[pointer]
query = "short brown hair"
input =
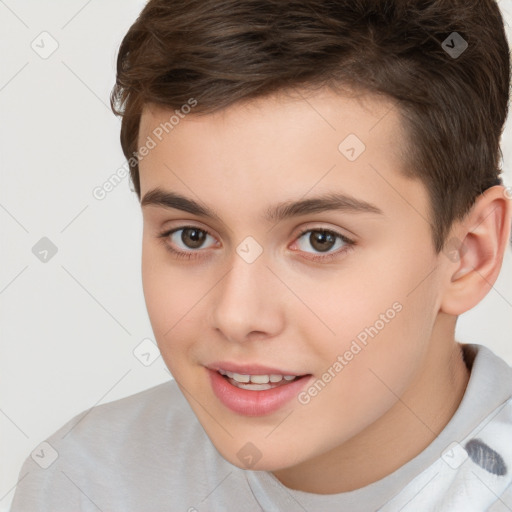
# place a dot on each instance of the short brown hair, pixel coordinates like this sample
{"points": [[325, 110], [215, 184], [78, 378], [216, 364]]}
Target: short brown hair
{"points": [[222, 51]]}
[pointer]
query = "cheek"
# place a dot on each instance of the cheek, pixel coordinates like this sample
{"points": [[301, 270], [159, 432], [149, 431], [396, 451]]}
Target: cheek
{"points": [[343, 304], [367, 366], [154, 284], [165, 293], [174, 297], [379, 317]]}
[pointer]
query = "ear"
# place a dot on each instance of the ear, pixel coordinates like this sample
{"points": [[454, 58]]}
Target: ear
{"points": [[475, 251]]}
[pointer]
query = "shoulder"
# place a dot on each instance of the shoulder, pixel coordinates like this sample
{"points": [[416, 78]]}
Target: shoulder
{"points": [[491, 375], [158, 401], [483, 461], [151, 429], [122, 455], [158, 412]]}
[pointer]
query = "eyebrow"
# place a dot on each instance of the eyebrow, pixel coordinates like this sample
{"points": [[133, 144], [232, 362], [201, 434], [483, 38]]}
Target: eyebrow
{"points": [[275, 213]]}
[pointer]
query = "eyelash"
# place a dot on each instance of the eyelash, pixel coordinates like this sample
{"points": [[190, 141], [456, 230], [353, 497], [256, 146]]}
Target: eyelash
{"points": [[188, 255]]}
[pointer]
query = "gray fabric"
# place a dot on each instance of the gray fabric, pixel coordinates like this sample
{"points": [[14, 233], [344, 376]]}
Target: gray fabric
{"points": [[148, 452]]}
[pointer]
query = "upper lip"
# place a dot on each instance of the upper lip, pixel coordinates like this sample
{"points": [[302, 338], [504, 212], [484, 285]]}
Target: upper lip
{"points": [[249, 369]]}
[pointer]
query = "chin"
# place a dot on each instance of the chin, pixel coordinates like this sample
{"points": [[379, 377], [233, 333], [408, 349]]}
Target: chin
{"points": [[251, 458]]}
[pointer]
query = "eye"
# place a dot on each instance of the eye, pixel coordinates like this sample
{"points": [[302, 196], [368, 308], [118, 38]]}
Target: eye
{"points": [[191, 238], [324, 240]]}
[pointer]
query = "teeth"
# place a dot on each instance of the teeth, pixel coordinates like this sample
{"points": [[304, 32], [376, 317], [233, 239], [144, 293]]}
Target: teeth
{"points": [[243, 378], [259, 379], [253, 387], [256, 379]]}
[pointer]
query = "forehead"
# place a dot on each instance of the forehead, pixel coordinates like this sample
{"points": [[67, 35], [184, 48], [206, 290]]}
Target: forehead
{"points": [[279, 127], [322, 109], [281, 147]]}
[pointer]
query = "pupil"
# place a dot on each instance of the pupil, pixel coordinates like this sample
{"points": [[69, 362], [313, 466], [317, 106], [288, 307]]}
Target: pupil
{"points": [[322, 240]]}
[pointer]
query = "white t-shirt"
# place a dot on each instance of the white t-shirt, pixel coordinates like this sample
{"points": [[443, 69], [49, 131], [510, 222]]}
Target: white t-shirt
{"points": [[148, 453]]}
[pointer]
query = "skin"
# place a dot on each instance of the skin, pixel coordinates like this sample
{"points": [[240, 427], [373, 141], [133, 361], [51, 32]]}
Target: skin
{"points": [[287, 311]]}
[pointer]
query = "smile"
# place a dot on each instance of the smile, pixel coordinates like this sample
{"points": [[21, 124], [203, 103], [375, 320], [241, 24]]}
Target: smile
{"points": [[255, 394], [257, 382]]}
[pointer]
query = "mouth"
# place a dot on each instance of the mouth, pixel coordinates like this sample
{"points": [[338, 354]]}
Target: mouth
{"points": [[255, 394], [258, 382]]}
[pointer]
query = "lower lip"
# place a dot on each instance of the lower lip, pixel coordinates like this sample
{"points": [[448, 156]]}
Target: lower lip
{"points": [[255, 403]]}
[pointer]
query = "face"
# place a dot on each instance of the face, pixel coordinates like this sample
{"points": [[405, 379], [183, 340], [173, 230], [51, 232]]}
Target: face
{"points": [[335, 292]]}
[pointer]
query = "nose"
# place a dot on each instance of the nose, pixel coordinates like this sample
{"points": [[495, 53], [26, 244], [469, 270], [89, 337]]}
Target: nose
{"points": [[248, 302]]}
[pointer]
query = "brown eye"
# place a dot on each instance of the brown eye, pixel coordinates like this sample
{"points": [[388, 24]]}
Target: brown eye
{"points": [[193, 238], [185, 240], [322, 240]]}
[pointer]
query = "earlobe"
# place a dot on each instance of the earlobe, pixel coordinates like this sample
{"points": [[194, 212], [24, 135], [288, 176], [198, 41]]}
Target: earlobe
{"points": [[477, 251]]}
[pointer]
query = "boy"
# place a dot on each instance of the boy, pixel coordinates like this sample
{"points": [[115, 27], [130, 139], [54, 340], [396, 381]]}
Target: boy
{"points": [[320, 189]]}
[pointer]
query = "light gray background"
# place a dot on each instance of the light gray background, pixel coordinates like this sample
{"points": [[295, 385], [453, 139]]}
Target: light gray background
{"points": [[70, 326]]}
